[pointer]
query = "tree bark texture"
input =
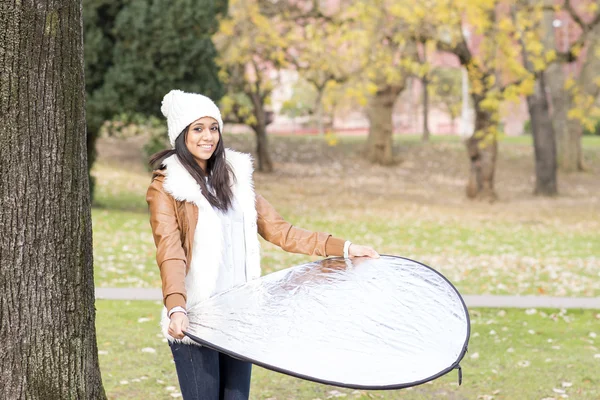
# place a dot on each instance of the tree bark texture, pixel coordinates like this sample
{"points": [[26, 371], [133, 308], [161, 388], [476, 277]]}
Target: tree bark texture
{"points": [[262, 149], [587, 77], [381, 127], [482, 149], [568, 140], [260, 129], [320, 122], [426, 133], [47, 315], [544, 140]]}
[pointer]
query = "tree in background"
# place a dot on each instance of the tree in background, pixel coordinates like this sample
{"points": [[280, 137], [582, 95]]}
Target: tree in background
{"points": [[47, 314], [391, 59], [585, 111], [535, 31], [137, 51], [534, 58], [358, 45], [425, 76], [573, 95], [322, 49], [251, 53], [493, 68]]}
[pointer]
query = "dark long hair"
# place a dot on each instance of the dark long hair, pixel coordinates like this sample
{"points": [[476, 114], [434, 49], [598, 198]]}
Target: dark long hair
{"points": [[218, 171]]}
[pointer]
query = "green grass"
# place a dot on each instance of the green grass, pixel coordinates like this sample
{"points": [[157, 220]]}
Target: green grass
{"points": [[513, 354], [490, 257]]}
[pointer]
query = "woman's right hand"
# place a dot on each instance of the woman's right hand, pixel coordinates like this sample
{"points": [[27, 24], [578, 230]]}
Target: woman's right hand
{"points": [[179, 323]]}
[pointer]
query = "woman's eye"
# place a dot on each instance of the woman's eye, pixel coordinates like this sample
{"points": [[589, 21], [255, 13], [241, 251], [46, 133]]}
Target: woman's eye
{"points": [[214, 128]]}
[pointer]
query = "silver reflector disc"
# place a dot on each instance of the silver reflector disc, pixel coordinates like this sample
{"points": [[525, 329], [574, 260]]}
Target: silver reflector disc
{"points": [[384, 323]]}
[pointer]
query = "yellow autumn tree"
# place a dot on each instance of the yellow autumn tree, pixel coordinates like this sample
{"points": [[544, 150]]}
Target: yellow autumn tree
{"points": [[573, 92], [481, 35], [389, 60], [251, 53], [501, 45], [324, 52], [534, 28]]}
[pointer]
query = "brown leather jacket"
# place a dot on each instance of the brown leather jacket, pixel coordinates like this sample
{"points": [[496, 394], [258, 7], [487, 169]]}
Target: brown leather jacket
{"points": [[173, 225]]}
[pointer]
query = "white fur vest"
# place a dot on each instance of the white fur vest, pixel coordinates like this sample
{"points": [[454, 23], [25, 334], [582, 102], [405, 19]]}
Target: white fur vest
{"points": [[207, 247]]}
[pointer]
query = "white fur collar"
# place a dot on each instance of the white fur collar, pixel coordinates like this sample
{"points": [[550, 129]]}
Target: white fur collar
{"points": [[183, 187]]}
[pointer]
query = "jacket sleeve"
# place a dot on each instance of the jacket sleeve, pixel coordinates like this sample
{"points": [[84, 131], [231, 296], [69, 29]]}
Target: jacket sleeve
{"points": [[273, 228], [170, 255]]}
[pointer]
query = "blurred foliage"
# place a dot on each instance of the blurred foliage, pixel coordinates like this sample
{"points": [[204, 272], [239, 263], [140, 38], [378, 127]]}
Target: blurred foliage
{"points": [[594, 131], [251, 51], [251, 55], [446, 89], [128, 125], [341, 55], [98, 23], [157, 141], [159, 46], [138, 50], [302, 101]]}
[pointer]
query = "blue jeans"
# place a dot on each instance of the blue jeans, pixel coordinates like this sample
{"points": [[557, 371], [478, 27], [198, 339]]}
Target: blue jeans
{"points": [[206, 374]]}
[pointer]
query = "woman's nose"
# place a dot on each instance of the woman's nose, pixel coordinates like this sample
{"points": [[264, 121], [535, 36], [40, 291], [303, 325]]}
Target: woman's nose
{"points": [[206, 134]]}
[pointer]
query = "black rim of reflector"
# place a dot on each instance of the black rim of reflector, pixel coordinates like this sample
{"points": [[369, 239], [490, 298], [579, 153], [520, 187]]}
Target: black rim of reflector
{"points": [[346, 385]]}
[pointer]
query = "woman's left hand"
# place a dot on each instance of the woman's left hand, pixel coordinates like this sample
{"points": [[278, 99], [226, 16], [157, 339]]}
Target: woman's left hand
{"points": [[356, 250]]}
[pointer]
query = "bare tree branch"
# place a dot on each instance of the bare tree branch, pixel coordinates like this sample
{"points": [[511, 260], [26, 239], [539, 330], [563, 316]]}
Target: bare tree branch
{"points": [[585, 27], [569, 56]]}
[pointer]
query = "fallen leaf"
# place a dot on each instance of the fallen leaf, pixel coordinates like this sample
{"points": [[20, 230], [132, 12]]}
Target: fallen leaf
{"points": [[148, 350]]}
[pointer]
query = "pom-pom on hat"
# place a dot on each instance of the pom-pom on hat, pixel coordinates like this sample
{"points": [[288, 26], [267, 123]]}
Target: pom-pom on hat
{"points": [[181, 109]]}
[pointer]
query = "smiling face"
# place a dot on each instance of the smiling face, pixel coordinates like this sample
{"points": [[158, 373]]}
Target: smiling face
{"points": [[202, 138]]}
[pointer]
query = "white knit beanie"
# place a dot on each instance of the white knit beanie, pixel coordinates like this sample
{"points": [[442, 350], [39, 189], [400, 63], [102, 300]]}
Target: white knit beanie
{"points": [[181, 109]]}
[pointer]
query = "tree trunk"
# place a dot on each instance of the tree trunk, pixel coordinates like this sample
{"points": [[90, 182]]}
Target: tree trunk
{"points": [[576, 133], [320, 125], [381, 127], [262, 149], [260, 128], [47, 315], [588, 87], [426, 134], [482, 149], [544, 140], [567, 141]]}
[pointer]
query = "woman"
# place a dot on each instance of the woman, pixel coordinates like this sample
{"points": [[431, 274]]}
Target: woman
{"points": [[205, 218]]}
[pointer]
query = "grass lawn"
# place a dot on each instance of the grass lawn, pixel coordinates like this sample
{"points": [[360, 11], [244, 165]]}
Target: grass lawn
{"points": [[520, 244], [513, 354]]}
